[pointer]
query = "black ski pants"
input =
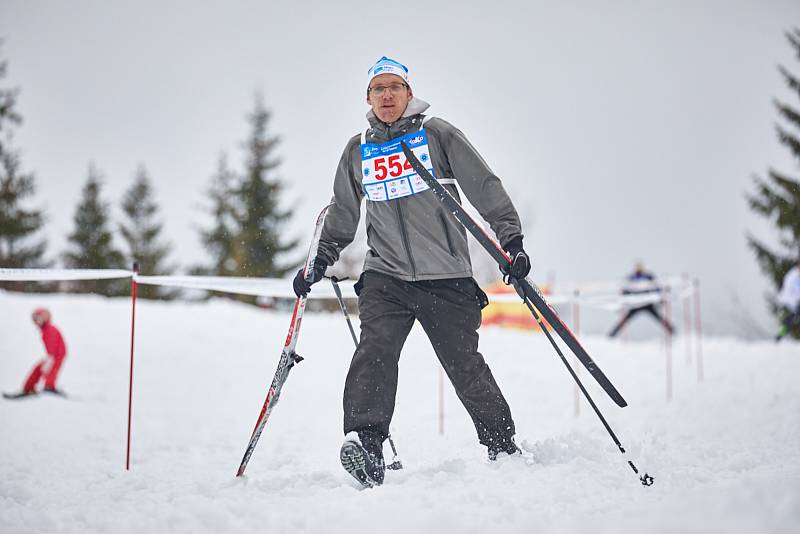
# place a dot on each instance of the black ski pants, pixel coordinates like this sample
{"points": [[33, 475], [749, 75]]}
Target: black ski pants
{"points": [[450, 313], [649, 308]]}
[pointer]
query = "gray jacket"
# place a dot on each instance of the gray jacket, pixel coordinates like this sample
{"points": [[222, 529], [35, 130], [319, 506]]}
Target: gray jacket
{"points": [[414, 238]]}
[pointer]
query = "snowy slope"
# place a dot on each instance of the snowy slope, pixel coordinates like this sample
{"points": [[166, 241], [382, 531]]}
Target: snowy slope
{"points": [[724, 453]]}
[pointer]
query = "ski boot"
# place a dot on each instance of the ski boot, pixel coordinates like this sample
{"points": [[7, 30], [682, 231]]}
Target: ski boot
{"points": [[362, 457]]}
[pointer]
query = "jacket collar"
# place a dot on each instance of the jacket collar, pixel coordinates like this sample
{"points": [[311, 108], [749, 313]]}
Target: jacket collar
{"points": [[402, 125]]}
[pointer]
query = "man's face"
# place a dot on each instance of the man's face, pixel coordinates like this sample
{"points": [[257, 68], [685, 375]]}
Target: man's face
{"points": [[388, 95]]}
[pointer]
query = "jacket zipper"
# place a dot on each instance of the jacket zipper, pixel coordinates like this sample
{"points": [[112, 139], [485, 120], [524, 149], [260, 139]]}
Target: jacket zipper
{"points": [[405, 239]]}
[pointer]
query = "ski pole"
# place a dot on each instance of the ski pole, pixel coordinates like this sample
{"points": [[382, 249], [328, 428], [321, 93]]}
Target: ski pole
{"points": [[491, 246], [396, 463], [645, 479], [335, 283]]}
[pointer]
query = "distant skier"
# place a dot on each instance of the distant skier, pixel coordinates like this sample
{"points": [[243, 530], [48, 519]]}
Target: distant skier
{"points": [[417, 267], [789, 300], [49, 367], [641, 282]]}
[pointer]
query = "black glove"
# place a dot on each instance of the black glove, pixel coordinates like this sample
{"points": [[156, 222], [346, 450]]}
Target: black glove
{"points": [[302, 286], [520, 264]]}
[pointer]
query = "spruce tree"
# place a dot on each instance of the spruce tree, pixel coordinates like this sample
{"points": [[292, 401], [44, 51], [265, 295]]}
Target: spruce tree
{"points": [[19, 223], [92, 241], [142, 233], [778, 197], [220, 238], [260, 248], [9, 116]]}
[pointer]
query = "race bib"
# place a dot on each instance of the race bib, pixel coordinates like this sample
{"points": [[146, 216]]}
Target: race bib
{"points": [[386, 174]]}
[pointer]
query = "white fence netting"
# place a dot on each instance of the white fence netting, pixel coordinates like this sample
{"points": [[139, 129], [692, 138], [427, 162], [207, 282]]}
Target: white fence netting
{"points": [[602, 295]]}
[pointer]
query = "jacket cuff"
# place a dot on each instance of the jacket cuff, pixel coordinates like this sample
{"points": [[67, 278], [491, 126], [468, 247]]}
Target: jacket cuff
{"points": [[514, 244]]}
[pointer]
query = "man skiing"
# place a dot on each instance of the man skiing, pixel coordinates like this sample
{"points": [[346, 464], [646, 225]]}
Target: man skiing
{"points": [[417, 266], [49, 367], [789, 300], [640, 282]]}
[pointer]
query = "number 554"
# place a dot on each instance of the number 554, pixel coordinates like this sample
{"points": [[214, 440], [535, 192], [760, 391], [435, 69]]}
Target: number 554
{"points": [[390, 167]]}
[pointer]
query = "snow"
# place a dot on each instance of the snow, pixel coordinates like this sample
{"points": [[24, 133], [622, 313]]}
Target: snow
{"points": [[724, 453]]}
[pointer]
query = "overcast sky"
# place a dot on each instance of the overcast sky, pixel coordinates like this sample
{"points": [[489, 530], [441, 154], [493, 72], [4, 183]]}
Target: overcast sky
{"points": [[621, 129]]}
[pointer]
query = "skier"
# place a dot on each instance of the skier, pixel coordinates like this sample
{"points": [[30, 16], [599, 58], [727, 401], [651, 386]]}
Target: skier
{"points": [[641, 282], [789, 300], [417, 266], [49, 367]]}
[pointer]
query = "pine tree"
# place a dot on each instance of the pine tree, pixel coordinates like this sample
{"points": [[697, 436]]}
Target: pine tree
{"points": [[246, 238], [220, 238], [778, 197], [92, 241], [141, 234], [9, 116], [18, 224], [19, 247], [259, 246]]}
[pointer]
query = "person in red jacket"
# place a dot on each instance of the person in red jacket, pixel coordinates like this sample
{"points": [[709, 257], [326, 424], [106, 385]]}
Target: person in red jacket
{"points": [[49, 367]]}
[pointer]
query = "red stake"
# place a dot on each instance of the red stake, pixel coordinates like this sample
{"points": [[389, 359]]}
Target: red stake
{"points": [[130, 373]]}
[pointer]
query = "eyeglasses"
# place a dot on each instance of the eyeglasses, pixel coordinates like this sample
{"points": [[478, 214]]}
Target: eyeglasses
{"points": [[395, 89]]}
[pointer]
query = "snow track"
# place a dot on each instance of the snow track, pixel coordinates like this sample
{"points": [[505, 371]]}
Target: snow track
{"points": [[724, 453]]}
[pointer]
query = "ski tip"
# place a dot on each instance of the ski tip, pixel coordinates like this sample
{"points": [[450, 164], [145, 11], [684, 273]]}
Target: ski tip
{"points": [[609, 388], [20, 395], [242, 467]]}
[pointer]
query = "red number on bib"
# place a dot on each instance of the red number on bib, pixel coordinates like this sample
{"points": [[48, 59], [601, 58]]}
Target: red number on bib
{"points": [[380, 168], [395, 167]]}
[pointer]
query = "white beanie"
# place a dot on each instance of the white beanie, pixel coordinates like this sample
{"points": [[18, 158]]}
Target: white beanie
{"points": [[387, 66]]}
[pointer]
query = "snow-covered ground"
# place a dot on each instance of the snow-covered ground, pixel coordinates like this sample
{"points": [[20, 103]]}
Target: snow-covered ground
{"points": [[725, 453]]}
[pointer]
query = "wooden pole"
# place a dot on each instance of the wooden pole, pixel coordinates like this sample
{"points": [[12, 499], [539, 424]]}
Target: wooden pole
{"points": [[687, 320], [698, 330], [668, 343]]}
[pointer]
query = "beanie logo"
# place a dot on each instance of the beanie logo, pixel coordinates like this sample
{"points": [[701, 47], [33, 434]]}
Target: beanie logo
{"points": [[387, 66]]}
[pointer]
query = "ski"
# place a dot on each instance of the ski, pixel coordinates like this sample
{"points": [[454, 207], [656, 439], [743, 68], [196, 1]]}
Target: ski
{"points": [[19, 395], [526, 286], [289, 358]]}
